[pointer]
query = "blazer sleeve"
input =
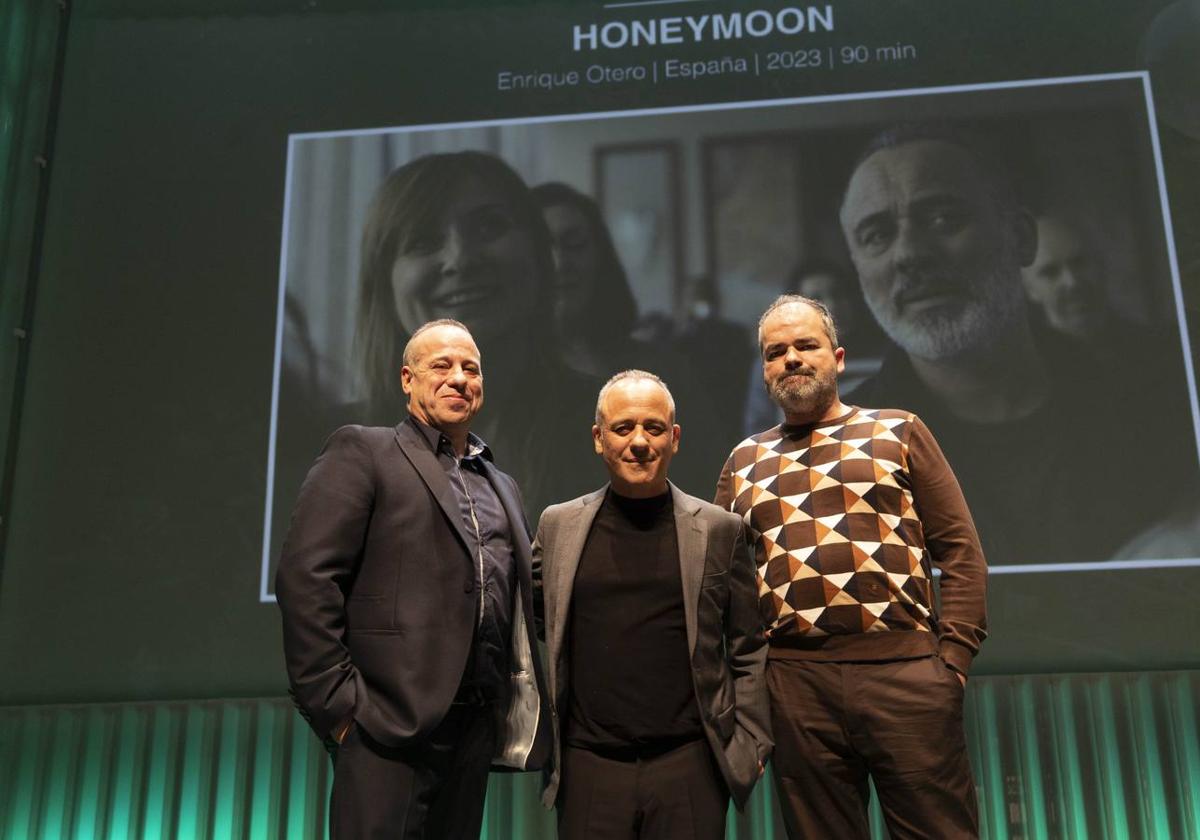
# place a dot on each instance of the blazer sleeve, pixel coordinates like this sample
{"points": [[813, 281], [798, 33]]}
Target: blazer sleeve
{"points": [[539, 591], [320, 557], [747, 645]]}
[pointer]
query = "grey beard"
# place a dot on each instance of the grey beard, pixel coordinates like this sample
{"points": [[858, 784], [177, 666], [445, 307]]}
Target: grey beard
{"points": [[939, 335]]}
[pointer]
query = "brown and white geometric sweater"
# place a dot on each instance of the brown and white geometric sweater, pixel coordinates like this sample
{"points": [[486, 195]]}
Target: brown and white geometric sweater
{"points": [[848, 518]]}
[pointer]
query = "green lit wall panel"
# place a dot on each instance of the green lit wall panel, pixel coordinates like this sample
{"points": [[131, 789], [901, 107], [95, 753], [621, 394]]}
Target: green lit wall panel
{"points": [[1078, 756]]}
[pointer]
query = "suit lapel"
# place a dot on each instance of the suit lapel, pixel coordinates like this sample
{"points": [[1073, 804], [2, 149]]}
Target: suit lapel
{"points": [[692, 535], [426, 464], [567, 549]]}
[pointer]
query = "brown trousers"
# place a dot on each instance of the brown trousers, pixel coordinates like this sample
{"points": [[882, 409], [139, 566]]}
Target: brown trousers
{"points": [[900, 723]]}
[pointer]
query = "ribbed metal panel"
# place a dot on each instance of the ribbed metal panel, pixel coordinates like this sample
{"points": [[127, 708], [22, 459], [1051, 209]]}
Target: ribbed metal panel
{"points": [[1087, 756], [214, 769], [1081, 756]]}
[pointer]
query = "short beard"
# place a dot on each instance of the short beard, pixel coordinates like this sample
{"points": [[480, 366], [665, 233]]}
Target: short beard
{"points": [[804, 395], [996, 302]]}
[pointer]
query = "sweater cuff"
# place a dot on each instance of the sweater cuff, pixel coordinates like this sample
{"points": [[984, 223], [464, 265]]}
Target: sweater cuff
{"points": [[956, 656]]}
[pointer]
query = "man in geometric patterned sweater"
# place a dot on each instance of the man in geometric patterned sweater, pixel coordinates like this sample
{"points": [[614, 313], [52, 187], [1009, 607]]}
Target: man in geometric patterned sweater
{"points": [[850, 510]]}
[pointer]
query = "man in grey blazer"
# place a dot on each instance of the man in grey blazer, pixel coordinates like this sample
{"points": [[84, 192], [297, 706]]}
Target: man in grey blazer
{"points": [[647, 600]]}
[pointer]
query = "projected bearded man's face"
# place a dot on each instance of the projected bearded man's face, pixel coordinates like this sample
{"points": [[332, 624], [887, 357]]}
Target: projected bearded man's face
{"points": [[938, 266], [471, 260]]}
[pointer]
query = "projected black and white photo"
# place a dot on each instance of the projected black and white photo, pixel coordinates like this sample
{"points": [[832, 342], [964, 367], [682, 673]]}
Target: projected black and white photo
{"points": [[997, 258]]}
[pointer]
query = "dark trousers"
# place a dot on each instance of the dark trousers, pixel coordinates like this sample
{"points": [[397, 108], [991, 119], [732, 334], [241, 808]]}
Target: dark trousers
{"points": [[836, 723], [678, 795], [433, 790]]}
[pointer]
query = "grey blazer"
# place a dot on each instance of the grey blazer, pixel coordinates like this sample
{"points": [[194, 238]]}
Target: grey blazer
{"points": [[724, 628]]}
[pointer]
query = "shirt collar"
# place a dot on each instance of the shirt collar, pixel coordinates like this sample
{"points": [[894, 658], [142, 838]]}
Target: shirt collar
{"points": [[438, 442]]}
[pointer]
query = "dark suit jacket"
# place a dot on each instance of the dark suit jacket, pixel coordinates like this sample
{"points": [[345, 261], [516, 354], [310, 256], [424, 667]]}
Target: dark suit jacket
{"points": [[379, 594], [724, 627]]}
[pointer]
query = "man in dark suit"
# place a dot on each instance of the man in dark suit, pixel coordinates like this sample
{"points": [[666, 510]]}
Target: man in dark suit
{"points": [[650, 612], [405, 588]]}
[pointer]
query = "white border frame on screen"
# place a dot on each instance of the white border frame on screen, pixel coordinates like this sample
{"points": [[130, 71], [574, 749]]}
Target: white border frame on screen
{"points": [[265, 596]]}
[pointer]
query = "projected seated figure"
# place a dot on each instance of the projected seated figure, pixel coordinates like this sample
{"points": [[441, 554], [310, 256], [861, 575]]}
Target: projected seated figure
{"points": [[595, 318], [1071, 284], [1066, 281], [594, 309], [720, 346], [1033, 427], [460, 236]]}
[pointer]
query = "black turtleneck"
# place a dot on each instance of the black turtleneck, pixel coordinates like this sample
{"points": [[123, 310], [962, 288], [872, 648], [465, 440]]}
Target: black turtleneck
{"points": [[631, 680]]}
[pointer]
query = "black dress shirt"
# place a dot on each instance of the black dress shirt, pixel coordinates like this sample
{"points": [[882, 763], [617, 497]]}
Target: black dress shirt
{"points": [[490, 541]]}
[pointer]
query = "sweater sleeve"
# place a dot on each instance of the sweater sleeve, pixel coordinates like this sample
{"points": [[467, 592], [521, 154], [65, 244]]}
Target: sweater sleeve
{"points": [[724, 495], [953, 544]]}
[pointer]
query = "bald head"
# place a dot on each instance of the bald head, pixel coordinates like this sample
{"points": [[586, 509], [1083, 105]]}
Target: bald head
{"points": [[415, 342], [633, 378]]}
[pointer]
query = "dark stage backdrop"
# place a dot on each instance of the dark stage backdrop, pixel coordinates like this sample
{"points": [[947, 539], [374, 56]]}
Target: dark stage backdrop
{"points": [[196, 313]]}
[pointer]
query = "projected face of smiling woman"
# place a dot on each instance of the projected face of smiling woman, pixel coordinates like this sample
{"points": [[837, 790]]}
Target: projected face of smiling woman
{"points": [[471, 261]]}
